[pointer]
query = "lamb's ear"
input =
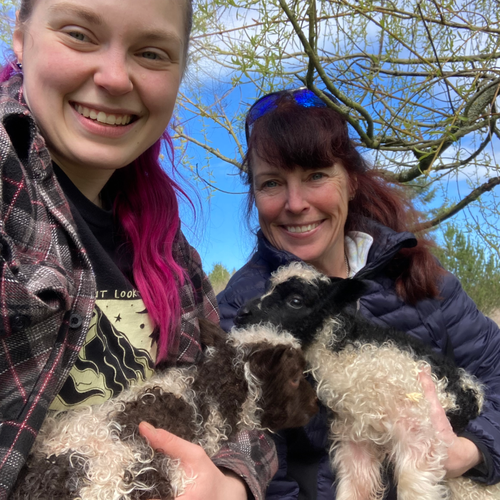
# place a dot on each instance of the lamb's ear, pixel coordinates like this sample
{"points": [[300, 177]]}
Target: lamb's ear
{"points": [[211, 334], [268, 360], [342, 292]]}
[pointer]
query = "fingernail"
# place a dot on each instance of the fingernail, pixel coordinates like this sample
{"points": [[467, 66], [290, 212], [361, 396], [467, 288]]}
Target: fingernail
{"points": [[148, 426]]}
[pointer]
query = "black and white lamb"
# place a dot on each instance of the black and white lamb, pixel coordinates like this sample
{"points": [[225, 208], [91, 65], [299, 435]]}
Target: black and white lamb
{"points": [[252, 379], [368, 376]]}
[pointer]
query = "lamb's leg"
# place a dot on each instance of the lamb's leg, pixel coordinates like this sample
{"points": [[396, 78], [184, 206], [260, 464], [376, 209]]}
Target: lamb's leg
{"points": [[358, 469], [418, 457]]}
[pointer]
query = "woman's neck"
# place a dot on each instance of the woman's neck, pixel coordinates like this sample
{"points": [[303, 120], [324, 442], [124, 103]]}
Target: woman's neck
{"points": [[89, 181], [335, 264]]}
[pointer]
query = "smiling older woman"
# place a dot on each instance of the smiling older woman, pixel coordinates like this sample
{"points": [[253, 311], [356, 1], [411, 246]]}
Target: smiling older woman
{"points": [[318, 202]]}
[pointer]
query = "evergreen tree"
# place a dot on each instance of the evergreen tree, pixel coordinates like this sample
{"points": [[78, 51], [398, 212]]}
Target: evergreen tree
{"points": [[219, 276], [477, 269]]}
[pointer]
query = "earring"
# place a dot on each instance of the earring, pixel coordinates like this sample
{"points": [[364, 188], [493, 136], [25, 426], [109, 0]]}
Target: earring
{"points": [[19, 65]]}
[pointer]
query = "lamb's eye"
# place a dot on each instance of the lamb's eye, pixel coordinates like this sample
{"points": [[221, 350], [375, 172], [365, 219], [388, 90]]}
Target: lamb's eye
{"points": [[295, 301]]}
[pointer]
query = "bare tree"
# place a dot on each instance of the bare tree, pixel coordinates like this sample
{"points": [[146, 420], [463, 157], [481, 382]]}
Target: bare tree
{"points": [[418, 82], [7, 17]]}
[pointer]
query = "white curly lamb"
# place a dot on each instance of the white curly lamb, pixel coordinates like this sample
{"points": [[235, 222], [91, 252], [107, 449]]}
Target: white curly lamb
{"points": [[368, 376]]}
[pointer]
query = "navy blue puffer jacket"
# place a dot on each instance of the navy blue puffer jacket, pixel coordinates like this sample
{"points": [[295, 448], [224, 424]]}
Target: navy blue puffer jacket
{"points": [[451, 324]]}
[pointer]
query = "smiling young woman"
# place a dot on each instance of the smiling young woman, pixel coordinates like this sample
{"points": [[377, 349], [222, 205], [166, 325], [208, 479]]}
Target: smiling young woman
{"points": [[98, 285], [121, 63]]}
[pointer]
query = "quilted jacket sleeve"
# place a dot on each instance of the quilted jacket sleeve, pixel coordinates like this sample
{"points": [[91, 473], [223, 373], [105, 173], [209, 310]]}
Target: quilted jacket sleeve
{"points": [[476, 344]]}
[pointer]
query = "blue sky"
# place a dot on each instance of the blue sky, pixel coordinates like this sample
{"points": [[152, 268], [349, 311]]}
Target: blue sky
{"points": [[220, 233]]}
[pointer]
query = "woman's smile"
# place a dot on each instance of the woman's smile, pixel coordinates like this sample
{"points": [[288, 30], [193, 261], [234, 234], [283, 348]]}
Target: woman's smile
{"points": [[114, 118], [104, 121], [99, 124], [305, 229]]}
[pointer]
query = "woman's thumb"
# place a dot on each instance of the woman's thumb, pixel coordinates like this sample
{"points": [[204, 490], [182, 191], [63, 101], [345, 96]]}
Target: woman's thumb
{"points": [[166, 442]]}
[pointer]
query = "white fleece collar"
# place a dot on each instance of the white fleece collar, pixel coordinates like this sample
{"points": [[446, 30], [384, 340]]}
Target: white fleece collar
{"points": [[357, 245]]}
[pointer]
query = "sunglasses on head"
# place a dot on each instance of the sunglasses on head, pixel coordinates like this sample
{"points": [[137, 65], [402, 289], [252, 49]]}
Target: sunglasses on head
{"points": [[302, 96]]}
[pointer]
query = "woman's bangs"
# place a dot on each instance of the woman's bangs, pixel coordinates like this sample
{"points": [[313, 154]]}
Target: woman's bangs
{"points": [[287, 142]]}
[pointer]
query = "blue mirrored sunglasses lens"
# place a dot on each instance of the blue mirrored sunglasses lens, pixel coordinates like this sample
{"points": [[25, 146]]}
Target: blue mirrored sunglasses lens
{"points": [[304, 97], [308, 99], [261, 107]]}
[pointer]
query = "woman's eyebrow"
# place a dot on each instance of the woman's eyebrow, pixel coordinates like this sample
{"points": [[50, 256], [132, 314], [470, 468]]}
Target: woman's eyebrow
{"points": [[154, 35], [158, 35], [266, 174], [87, 14]]}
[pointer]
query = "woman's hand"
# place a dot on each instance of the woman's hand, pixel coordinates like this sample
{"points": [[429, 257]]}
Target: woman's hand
{"points": [[210, 483], [463, 454]]}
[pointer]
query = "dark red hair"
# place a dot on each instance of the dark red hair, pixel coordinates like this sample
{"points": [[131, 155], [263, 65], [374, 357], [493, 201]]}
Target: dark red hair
{"points": [[291, 136]]}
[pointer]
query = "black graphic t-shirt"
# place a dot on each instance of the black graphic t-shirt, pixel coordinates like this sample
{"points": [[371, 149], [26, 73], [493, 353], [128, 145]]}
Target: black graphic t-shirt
{"points": [[118, 350]]}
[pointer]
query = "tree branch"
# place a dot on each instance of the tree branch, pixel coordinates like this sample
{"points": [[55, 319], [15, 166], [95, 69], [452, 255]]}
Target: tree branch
{"points": [[211, 186], [409, 62], [208, 148], [425, 74], [367, 136], [473, 196], [441, 21], [312, 41]]}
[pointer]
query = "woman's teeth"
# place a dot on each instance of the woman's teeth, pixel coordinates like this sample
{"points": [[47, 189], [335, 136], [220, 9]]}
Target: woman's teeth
{"points": [[102, 117], [302, 229]]}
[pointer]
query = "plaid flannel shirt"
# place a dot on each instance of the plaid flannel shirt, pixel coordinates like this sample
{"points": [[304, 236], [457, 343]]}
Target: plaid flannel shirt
{"points": [[47, 295]]}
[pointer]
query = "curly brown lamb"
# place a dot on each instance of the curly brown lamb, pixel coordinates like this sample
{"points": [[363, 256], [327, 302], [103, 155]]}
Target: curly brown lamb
{"points": [[251, 379]]}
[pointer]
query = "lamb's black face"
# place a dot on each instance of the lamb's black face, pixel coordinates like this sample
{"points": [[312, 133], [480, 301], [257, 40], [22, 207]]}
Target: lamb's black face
{"points": [[301, 307], [294, 305]]}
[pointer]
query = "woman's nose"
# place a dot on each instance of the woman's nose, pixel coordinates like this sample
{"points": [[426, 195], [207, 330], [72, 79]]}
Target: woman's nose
{"points": [[113, 73], [296, 201]]}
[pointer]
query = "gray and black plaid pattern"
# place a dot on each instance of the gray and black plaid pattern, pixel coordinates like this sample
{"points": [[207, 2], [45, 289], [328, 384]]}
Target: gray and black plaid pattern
{"points": [[47, 288]]}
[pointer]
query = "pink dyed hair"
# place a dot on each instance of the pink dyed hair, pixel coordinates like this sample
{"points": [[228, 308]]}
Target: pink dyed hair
{"points": [[148, 210]]}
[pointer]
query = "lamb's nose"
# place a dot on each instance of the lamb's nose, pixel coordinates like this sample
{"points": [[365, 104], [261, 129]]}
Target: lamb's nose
{"points": [[242, 316]]}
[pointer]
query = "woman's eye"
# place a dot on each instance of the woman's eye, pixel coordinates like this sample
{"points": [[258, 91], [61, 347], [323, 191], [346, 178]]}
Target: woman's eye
{"points": [[77, 36], [152, 56], [317, 176], [270, 184]]}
